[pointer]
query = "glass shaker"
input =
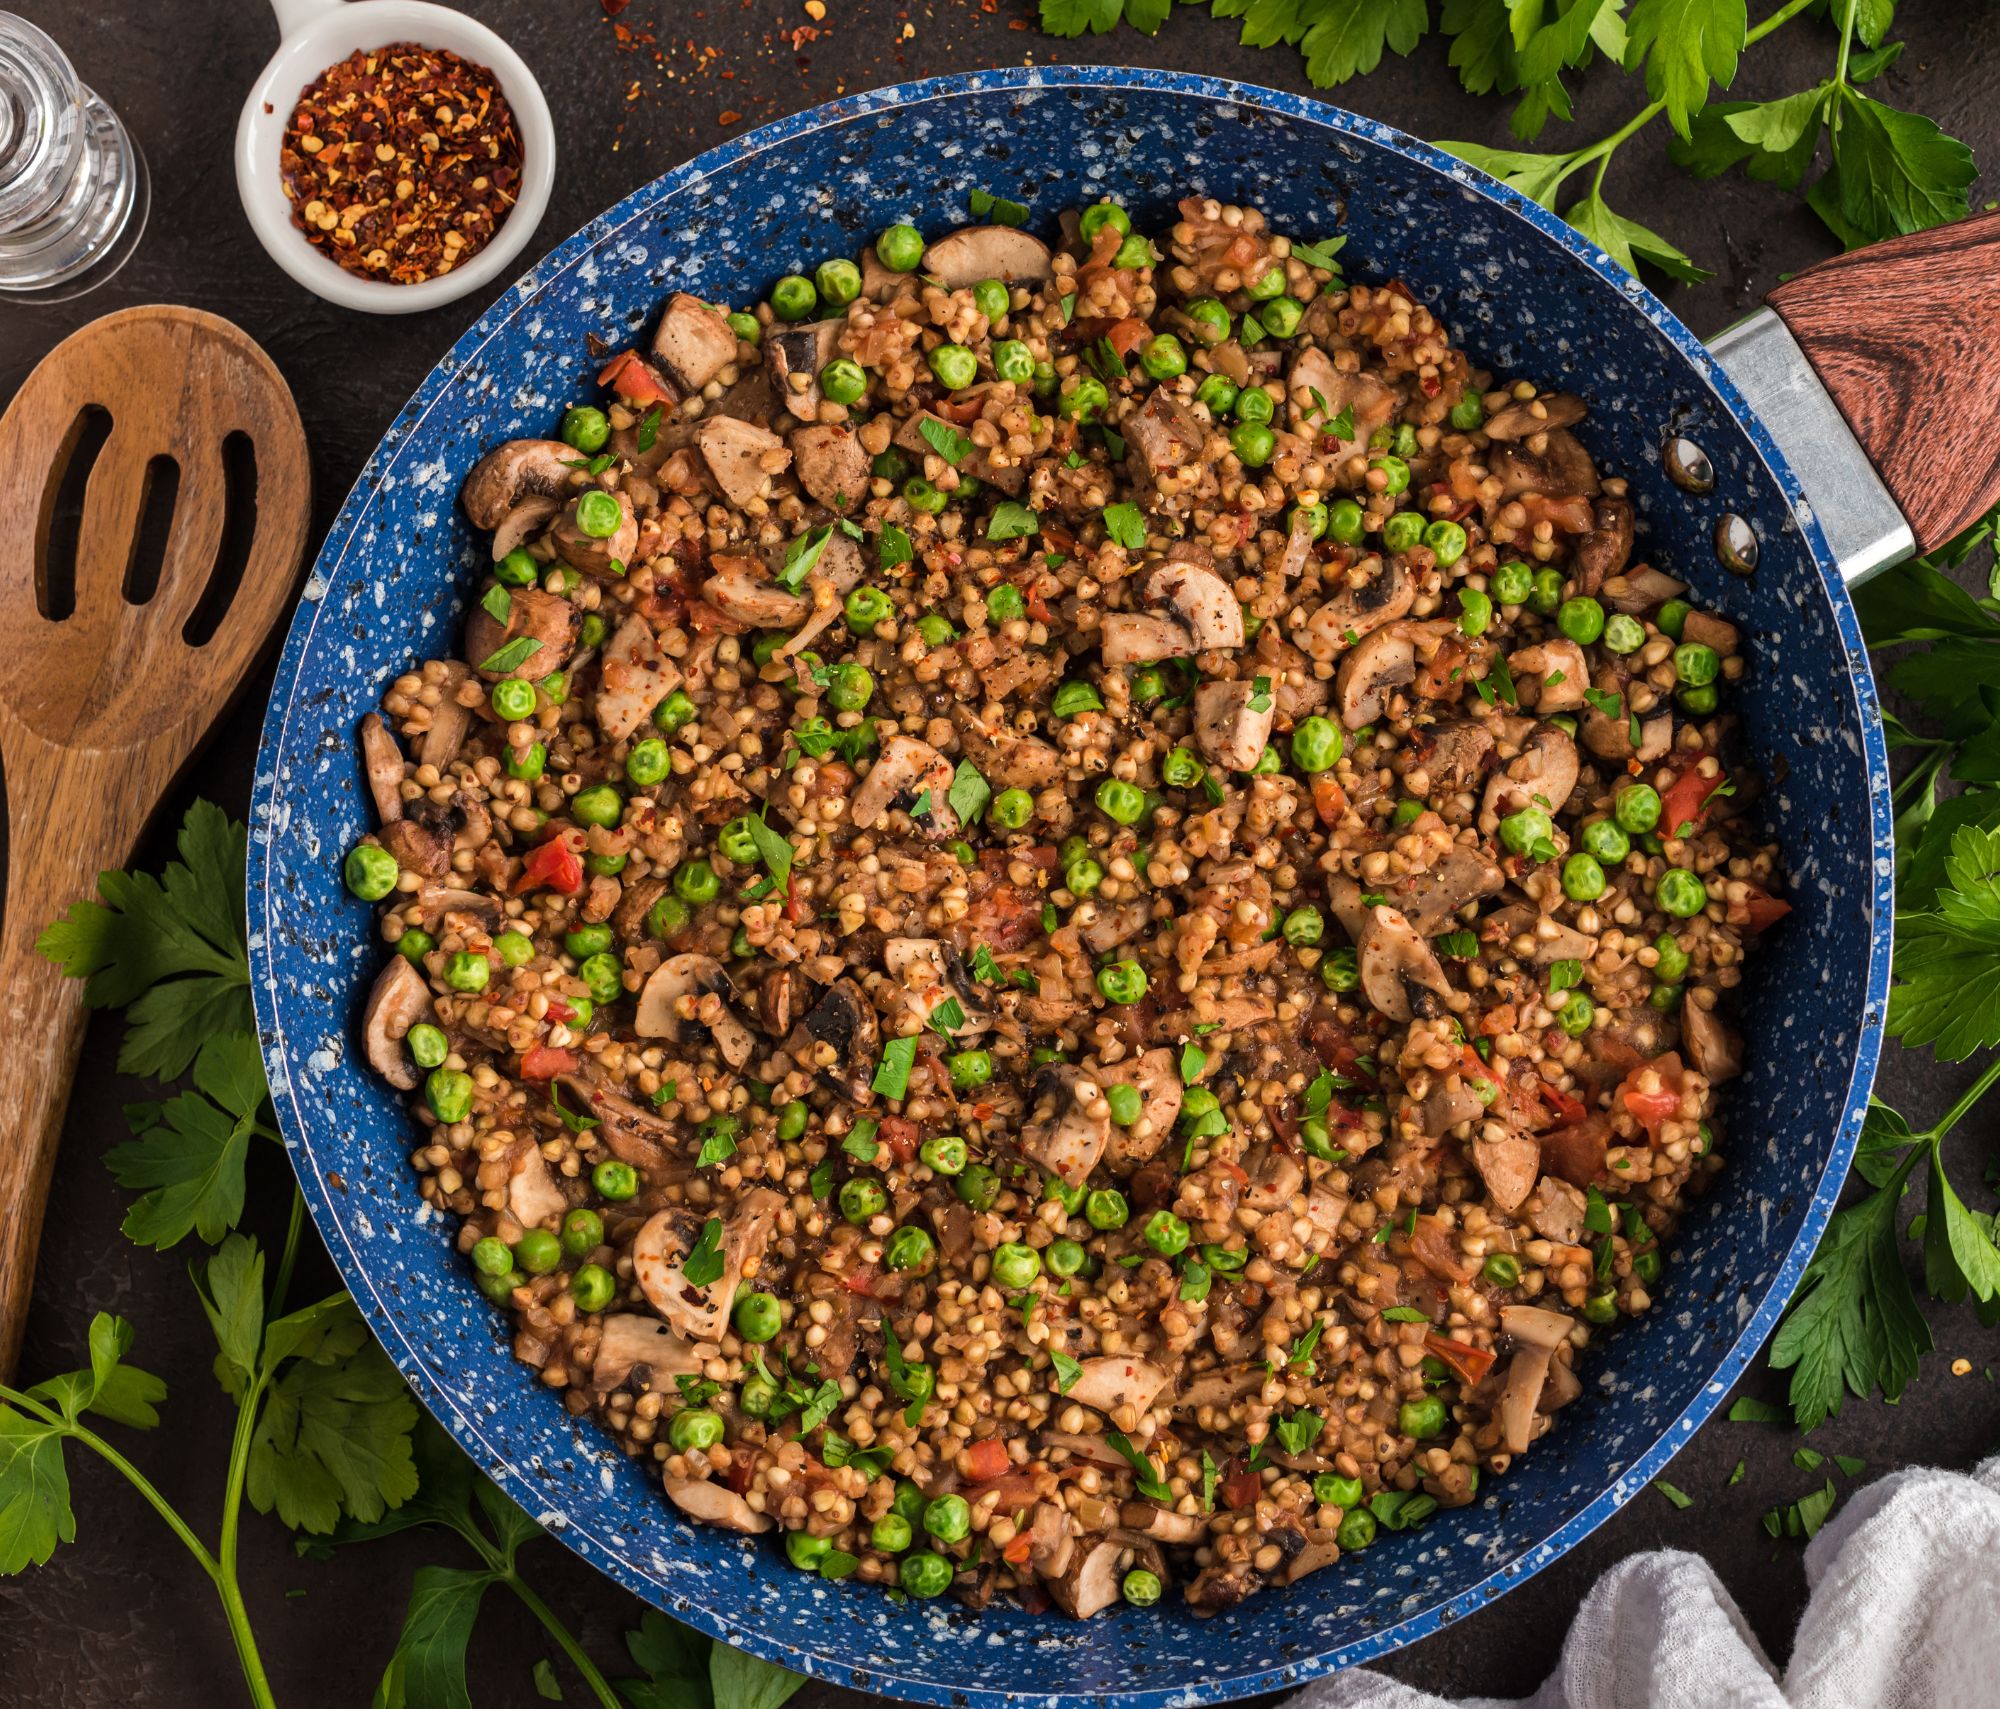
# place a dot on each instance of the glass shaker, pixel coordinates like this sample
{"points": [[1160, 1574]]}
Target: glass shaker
{"points": [[73, 186]]}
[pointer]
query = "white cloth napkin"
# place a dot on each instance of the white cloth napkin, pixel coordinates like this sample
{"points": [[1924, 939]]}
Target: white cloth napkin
{"points": [[1904, 1614]]}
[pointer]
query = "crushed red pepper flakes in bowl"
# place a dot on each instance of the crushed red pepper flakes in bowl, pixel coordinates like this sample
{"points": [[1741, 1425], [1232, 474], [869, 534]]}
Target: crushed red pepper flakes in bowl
{"points": [[402, 162]]}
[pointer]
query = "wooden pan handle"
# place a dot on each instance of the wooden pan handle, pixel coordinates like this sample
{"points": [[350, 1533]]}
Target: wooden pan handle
{"points": [[1906, 336]]}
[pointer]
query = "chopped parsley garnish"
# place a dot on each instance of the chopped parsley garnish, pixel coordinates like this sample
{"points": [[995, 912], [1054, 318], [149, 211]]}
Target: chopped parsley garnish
{"points": [[946, 440], [987, 206], [1606, 702], [1193, 1060], [1067, 1370], [1260, 694], [718, 1141], [1298, 1433], [969, 792], [892, 547], [1320, 254], [773, 849], [1012, 520], [1498, 683], [497, 603], [892, 1077], [1143, 1474], [1125, 524], [820, 1407], [1302, 1349], [1211, 1475], [1564, 975], [1679, 1497], [696, 1390], [511, 657], [946, 1018], [820, 1182], [577, 1121], [1405, 1314], [704, 1263], [1461, 945], [649, 427], [860, 1142], [802, 556]]}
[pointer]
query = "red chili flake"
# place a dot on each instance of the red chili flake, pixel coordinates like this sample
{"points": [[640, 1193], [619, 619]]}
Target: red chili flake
{"points": [[613, 7], [729, 116], [401, 162]]}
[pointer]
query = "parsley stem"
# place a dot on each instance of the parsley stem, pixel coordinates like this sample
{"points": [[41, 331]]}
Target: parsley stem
{"points": [[599, 1687], [282, 1285], [226, 1584], [1973, 1093]]}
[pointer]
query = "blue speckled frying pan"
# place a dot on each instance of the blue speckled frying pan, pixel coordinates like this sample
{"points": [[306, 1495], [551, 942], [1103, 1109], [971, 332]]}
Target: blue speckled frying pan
{"points": [[1525, 295]]}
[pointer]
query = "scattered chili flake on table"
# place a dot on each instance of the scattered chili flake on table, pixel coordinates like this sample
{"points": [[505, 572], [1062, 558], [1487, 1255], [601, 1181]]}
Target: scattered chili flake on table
{"points": [[401, 162]]}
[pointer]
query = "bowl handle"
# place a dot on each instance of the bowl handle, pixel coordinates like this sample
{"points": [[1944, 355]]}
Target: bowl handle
{"points": [[294, 15], [1905, 336]]}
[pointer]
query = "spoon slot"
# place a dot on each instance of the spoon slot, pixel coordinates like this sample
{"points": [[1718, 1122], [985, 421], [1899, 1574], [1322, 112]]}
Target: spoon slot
{"points": [[156, 520], [239, 533], [61, 520]]}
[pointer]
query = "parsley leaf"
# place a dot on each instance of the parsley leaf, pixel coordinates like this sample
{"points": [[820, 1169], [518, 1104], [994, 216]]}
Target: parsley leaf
{"points": [[969, 792], [950, 444], [1067, 1370], [892, 1077], [892, 547], [1012, 520], [802, 556], [718, 1141], [1947, 966], [497, 603], [704, 1262], [1628, 243], [1897, 172], [188, 1153], [1125, 524], [1405, 1314], [1679, 1497], [168, 950], [1143, 1473], [1073, 17], [1685, 44], [1319, 254], [513, 656], [773, 849], [1298, 1433], [1193, 1060]]}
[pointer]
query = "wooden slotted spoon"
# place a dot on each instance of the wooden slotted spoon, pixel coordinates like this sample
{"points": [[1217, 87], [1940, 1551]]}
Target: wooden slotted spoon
{"points": [[117, 657]]}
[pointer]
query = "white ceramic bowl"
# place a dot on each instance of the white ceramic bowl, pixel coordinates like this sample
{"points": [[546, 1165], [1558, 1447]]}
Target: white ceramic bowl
{"points": [[315, 34]]}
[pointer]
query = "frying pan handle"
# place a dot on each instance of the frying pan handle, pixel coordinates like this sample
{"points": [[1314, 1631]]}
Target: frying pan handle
{"points": [[1905, 337]]}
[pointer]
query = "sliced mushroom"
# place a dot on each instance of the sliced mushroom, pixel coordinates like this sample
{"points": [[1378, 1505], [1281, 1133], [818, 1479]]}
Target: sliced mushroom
{"points": [[910, 775], [631, 1134], [1157, 1080], [1509, 1166], [1536, 1326], [1640, 590], [1550, 940], [784, 995], [1536, 415], [925, 969], [635, 902], [1061, 1134], [843, 1022], [1554, 670], [716, 1504], [509, 473], [1232, 721], [881, 283], [1526, 1374], [960, 259], [1451, 1102], [1563, 469], [832, 464], [633, 679], [1430, 900], [1374, 592], [741, 459], [1140, 638], [1399, 974], [1114, 1380], [739, 588], [1163, 435], [1452, 755], [1051, 1539], [1005, 757], [399, 1000], [1219, 1387], [1603, 551], [1610, 738], [1715, 1048], [1710, 631], [687, 995], [382, 761], [1555, 1210], [1205, 604], [793, 357], [1542, 775], [632, 1346], [419, 847], [1371, 402], [450, 722], [532, 1194], [1091, 1584], [590, 553], [1162, 1524], [1384, 661], [700, 1311], [693, 343], [547, 619], [520, 524]]}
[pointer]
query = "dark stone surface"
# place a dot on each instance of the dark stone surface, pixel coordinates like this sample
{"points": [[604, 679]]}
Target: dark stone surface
{"points": [[122, 1616]]}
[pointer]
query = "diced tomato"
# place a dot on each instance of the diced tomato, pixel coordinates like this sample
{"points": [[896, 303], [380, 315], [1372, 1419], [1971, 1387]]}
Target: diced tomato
{"points": [[1437, 1252], [545, 1061], [1469, 1364], [1688, 797], [860, 1281], [553, 865], [1038, 607], [740, 1473], [1757, 911], [986, 1460], [635, 379], [959, 411], [1240, 1490], [1651, 1108], [899, 1133], [1567, 1108], [1576, 1153], [1329, 799], [1016, 1552]]}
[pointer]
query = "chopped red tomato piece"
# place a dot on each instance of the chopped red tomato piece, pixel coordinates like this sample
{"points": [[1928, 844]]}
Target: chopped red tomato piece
{"points": [[1689, 797], [545, 1061], [635, 379], [1240, 1490], [861, 1281], [1329, 799], [1038, 607], [1652, 1106], [986, 1460], [1016, 1552], [1757, 911], [553, 865], [741, 1471], [1567, 1108], [1469, 1364], [899, 1133]]}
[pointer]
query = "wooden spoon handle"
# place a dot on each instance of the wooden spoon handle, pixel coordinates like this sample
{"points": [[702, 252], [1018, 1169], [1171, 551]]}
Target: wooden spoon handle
{"points": [[1906, 336]]}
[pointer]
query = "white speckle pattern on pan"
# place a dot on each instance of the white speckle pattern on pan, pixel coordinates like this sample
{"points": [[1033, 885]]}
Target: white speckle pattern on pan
{"points": [[1524, 294]]}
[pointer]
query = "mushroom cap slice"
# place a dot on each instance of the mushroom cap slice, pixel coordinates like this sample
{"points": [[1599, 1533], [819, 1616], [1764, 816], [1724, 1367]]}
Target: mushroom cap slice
{"points": [[509, 473], [1714, 1047], [910, 775], [1431, 899], [736, 453], [739, 588], [700, 1311], [1399, 974], [1163, 435], [716, 1504], [832, 464], [1005, 757], [1536, 415], [633, 679], [547, 619], [802, 351], [628, 1341], [1061, 1134], [1640, 590], [1535, 1325], [1546, 767], [382, 761], [1384, 661], [1114, 1380], [631, 1134], [1526, 1374], [1603, 551], [532, 1194], [1510, 1167], [1232, 720], [1091, 1584], [1141, 638], [400, 999], [1205, 604], [960, 259], [844, 1021], [1376, 591], [450, 722], [1557, 671], [693, 342], [688, 993], [518, 526]]}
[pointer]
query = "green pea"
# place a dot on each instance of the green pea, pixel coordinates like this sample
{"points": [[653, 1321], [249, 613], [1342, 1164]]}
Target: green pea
{"points": [[1502, 1269], [1603, 839], [1665, 998], [1163, 356], [1065, 1258], [1266, 285], [1403, 532], [1106, 1209], [1281, 316], [1140, 1587], [1218, 392], [920, 495], [586, 428], [1421, 1418], [1208, 320], [1125, 1103], [1475, 611], [1623, 634], [1513, 582], [954, 365], [603, 977], [599, 515], [924, 1574], [591, 631], [517, 569], [1340, 969], [1447, 540], [1011, 809], [1304, 926], [1331, 1490], [1346, 522], [944, 1155], [1520, 832], [667, 916], [962, 852], [1148, 685], [1015, 1265], [969, 1068], [1005, 604], [1700, 700], [1647, 1266], [793, 297], [900, 248], [1082, 398], [889, 464], [737, 842], [694, 1428], [1582, 877], [1636, 808], [746, 327], [500, 1289], [838, 282], [599, 805], [492, 1257], [1695, 664], [862, 1199], [978, 1186], [1121, 801], [416, 943], [1546, 595], [909, 1248], [1469, 413], [1673, 963], [1357, 1529], [605, 865], [1253, 443], [1681, 893], [1135, 252], [695, 882], [756, 1317], [1395, 474], [1672, 616], [758, 1395], [527, 764], [615, 1181], [1601, 1306], [1166, 1234], [1316, 744], [674, 712], [538, 1252], [1123, 982], [587, 940], [892, 1534], [851, 689], [648, 762], [1254, 405], [370, 872], [593, 1287], [1098, 215], [1576, 1014], [843, 381], [1581, 619], [466, 970]]}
